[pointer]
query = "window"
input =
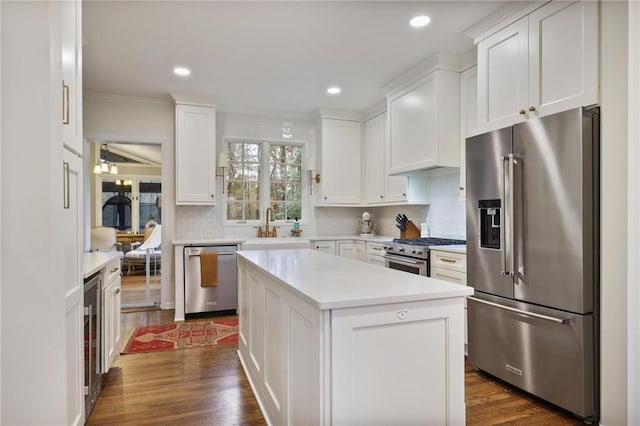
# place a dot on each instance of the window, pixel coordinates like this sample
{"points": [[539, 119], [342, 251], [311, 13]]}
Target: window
{"points": [[250, 189], [129, 204]]}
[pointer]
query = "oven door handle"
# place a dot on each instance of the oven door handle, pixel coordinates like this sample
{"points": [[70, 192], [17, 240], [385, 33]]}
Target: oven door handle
{"points": [[404, 260]]}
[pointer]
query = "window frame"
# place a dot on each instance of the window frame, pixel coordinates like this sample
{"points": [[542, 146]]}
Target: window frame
{"points": [[265, 181]]}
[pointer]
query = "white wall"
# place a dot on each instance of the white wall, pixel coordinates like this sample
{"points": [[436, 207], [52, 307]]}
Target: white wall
{"points": [[118, 118], [206, 222], [614, 233]]}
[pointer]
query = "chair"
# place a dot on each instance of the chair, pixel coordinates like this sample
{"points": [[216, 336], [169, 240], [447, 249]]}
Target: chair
{"points": [[148, 252], [104, 238]]}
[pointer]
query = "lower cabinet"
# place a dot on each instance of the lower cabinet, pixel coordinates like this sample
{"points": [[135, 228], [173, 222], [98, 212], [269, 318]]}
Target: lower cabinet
{"points": [[111, 298], [451, 266], [352, 249], [312, 366], [375, 253], [324, 246]]}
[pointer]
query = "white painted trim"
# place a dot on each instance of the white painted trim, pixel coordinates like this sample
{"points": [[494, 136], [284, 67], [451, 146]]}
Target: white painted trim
{"points": [[338, 115], [434, 62], [505, 15], [633, 307], [375, 110]]}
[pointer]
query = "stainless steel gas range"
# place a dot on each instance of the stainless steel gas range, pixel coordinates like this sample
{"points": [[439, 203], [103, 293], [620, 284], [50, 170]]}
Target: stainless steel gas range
{"points": [[412, 254]]}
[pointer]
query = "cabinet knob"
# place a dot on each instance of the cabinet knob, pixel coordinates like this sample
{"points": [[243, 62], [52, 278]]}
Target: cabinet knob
{"points": [[522, 112], [382, 196], [325, 198], [117, 291], [532, 108], [212, 196], [404, 194]]}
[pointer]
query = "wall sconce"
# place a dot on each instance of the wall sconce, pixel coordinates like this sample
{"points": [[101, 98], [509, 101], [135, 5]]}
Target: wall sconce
{"points": [[223, 163], [311, 167]]}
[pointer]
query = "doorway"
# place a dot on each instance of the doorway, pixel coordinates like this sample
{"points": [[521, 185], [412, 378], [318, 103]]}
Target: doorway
{"points": [[126, 195]]}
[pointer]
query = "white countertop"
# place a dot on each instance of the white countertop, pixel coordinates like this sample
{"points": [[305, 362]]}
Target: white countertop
{"points": [[207, 242], [460, 248], [373, 238], [331, 282], [94, 261]]}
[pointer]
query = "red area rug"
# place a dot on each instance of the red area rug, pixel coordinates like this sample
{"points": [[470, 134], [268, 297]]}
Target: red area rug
{"points": [[152, 338]]}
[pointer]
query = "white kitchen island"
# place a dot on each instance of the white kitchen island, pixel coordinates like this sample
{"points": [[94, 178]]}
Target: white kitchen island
{"points": [[328, 340]]}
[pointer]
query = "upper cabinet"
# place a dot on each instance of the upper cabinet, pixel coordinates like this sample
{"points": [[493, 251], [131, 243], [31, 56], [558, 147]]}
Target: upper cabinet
{"points": [[340, 170], [195, 154], [380, 188], [468, 117], [423, 123], [71, 85], [541, 64]]}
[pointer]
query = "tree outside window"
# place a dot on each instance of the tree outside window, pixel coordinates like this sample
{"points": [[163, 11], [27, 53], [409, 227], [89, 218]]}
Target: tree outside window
{"points": [[260, 171]]}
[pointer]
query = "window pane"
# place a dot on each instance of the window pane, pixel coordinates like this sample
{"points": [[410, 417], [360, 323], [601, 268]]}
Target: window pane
{"points": [[251, 153], [235, 191], [235, 172], [252, 191], [293, 154], [149, 207], [293, 192], [277, 173], [235, 152], [279, 211], [278, 191], [253, 210], [252, 172], [116, 205], [277, 154], [294, 210], [234, 210], [293, 173]]}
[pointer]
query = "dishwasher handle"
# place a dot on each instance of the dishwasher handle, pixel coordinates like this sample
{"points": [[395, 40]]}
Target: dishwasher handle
{"points": [[195, 252]]}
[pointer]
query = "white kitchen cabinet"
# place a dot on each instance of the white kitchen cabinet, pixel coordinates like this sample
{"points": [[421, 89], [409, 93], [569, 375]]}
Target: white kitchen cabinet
{"points": [[72, 75], [451, 266], [424, 123], [325, 246], [340, 170], [72, 247], [111, 301], [375, 253], [195, 154], [468, 116], [380, 188], [544, 63], [352, 249]]}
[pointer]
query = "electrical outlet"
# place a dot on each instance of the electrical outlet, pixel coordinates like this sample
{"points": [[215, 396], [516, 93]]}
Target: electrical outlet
{"points": [[209, 234], [402, 314]]}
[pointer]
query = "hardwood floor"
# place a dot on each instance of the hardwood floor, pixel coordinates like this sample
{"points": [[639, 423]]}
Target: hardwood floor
{"points": [[206, 386], [134, 289]]}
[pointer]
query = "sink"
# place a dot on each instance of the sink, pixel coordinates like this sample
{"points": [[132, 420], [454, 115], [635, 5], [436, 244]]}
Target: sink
{"points": [[275, 243]]}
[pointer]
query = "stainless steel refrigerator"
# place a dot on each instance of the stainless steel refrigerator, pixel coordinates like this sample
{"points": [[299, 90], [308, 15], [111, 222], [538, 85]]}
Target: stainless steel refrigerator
{"points": [[533, 257]]}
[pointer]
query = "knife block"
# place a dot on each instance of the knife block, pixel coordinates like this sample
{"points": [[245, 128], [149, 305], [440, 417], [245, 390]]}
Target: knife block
{"points": [[412, 231]]}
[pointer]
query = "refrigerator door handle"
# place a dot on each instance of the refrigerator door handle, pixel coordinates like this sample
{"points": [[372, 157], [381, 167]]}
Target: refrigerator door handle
{"points": [[506, 218], [512, 244], [520, 311]]}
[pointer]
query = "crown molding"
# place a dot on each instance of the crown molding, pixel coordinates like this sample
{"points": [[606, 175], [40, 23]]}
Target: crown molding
{"points": [[375, 110], [505, 15], [197, 100], [128, 99], [437, 61], [338, 115]]}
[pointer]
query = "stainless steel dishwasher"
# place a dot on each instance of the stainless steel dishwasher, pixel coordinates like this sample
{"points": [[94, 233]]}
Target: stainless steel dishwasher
{"points": [[220, 297]]}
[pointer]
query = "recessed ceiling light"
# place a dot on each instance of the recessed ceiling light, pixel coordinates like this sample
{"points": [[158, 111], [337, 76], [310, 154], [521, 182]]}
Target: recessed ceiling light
{"points": [[334, 90], [181, 71], [419, 21]]}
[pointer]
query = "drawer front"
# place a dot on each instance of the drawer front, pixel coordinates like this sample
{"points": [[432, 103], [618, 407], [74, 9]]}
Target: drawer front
{"points": [[551, 360], [449, 260], [449, 275], [375, 249], [112, 271]]}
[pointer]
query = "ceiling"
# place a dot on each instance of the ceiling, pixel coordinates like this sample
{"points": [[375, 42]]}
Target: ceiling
{"points": [[267, 55]]}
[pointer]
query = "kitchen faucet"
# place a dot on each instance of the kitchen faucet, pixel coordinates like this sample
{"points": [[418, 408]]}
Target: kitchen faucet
{"points": [[267, 233]]}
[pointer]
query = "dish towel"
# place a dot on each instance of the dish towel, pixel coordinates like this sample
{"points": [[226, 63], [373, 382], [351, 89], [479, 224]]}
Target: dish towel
{"points": [[208, 269]]}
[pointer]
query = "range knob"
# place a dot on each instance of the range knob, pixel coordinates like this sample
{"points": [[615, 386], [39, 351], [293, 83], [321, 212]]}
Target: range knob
{"points": [[401, 250], [413, 252]]}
